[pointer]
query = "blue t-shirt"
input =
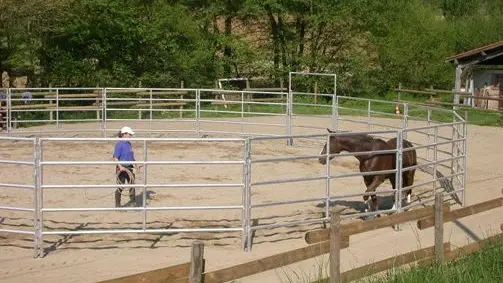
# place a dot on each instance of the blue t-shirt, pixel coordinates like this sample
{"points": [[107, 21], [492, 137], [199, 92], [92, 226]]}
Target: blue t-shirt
{"points": [[124, 152]]}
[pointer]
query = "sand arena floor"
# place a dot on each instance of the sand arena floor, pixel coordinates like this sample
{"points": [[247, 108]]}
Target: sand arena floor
{"points": [[89, 258]]}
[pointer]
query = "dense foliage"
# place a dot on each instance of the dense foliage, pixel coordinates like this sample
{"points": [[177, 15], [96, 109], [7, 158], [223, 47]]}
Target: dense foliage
{"points": [[371, 45]]}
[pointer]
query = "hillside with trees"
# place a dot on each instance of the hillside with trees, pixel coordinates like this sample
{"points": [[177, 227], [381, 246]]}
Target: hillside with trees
{"points": [[371, 45]]}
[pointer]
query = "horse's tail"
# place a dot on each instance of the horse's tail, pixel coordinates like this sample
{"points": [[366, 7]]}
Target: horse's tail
{"points": [[444, 182]]}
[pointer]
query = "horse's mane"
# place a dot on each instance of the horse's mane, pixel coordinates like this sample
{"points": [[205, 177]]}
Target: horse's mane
{"points": [[363, 140]]}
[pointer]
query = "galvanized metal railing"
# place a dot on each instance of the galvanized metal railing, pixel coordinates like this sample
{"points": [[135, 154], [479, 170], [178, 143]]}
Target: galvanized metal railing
{"points": [[443, 144]]}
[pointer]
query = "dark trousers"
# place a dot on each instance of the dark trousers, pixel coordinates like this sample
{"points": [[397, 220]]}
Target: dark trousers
{"points": [[124, 178]]}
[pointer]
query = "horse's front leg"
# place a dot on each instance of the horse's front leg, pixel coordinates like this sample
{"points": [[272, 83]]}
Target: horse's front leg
{"points": [[372, 182]]}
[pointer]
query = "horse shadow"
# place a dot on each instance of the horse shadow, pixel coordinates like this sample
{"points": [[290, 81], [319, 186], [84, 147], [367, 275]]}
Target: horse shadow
{"points": [[385, 202]]}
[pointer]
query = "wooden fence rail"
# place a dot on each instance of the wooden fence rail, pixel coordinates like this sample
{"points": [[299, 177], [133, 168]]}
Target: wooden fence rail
{"points": [[374, 224], [324, 241], [155, 276], [462, 212]]}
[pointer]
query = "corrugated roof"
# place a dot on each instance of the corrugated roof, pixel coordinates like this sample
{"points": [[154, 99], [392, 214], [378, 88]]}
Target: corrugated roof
{"points": [[475, 51]]}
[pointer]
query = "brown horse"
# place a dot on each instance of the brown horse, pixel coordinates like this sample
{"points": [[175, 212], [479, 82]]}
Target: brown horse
{"points": [[374, 162]]}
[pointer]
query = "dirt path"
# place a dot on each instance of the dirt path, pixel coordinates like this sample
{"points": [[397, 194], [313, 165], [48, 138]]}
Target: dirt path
{"points": [[89, 258]]}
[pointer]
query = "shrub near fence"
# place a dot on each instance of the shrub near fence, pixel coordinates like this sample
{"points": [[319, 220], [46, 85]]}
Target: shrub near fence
{"points": [[331, 241]]}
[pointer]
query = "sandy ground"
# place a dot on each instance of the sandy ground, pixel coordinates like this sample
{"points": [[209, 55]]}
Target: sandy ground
{"points": [[91, 258]]}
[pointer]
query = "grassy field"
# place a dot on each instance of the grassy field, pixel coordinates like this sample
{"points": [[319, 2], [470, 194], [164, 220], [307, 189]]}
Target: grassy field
{"points": [[484, 266]]}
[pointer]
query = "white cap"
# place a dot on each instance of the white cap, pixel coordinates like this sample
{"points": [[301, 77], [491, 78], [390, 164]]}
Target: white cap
{"points": [[127, 130]]}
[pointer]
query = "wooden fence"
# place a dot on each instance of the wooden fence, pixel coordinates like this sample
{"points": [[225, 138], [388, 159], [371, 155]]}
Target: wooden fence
{"points": [[332, 240]]}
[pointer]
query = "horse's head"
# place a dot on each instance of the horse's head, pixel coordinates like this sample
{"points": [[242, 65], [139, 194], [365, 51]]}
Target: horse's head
{"points": [[334, 148]]}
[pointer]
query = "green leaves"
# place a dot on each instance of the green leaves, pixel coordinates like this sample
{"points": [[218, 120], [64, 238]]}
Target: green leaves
{"points": [[371, 45]]}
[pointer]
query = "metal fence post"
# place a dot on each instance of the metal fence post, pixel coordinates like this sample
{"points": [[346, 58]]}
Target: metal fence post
{"points": [[246, 225], [198, 113], [289, 110], [57, 108], [145, 182], [405, 119], [40, 196], [465, 134], [398, 174], [435, 159], [335, 105], [9, 111], [36, 212], [328, 173], [104, 109]]}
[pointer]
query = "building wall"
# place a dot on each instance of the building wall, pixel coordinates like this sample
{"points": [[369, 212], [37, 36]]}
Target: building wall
{"points": [[483, 76]]}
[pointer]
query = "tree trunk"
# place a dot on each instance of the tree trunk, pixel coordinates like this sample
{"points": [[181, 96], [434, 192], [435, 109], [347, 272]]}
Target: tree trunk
{"points": [[282, 42], [275, 39], [301, 31], [228, 48]]}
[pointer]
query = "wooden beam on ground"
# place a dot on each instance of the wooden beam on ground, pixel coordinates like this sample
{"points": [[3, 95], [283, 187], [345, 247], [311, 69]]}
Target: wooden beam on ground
{"points": [[369, 225], [158, 275], [462, 212], [382, 265]]}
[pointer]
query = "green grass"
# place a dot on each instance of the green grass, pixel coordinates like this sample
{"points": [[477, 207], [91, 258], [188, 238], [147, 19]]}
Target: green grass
{"points": [[484, 266]]}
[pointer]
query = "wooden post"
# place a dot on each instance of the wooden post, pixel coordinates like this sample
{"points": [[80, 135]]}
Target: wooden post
{"points": [[315, 92], [439, 227], [335, 248], [196, 262]]}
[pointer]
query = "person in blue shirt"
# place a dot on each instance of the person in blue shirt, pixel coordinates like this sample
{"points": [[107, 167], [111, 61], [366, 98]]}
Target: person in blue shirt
{"points": [[123, 152]]}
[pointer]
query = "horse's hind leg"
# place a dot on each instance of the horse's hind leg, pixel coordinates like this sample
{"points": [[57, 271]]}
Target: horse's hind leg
{"points": [[372, 182], [408, 180], [392, 180]]}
